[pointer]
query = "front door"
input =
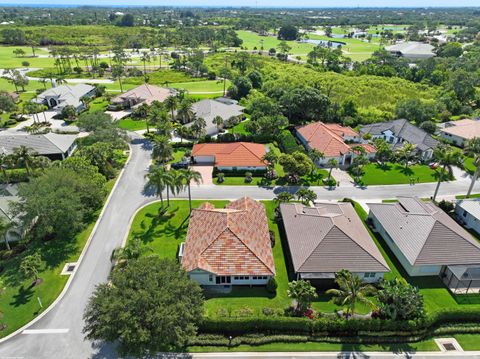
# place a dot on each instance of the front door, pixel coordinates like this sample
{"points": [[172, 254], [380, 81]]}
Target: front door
{"points": [[223, 279]]}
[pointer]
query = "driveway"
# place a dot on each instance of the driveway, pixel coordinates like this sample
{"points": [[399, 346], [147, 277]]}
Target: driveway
{"points": [[206, 172]]}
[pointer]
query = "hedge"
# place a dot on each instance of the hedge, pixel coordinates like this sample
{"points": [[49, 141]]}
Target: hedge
{"points": [[288, 143], [238, 173]]}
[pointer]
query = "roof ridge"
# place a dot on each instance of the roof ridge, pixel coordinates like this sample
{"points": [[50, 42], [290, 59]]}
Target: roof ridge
{"points": [[49, 140], [318, 245], [248, 149]]}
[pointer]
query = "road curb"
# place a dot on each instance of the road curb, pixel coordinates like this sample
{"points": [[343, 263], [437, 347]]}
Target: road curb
{"points": [[79, 261]]}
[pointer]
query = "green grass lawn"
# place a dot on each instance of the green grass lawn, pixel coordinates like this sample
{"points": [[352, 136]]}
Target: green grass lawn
{"points": [[251, 40], [19, 303], [201, 86], [130, 124], [436, 295], [392, 173], [469, 166], [163, 236], [468, 341], [9, 60], [240, 128], [355, 48], [98, 104], [426, 345]]}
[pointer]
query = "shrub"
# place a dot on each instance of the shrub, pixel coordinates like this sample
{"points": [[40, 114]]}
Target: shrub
{"points": [[268, 311], [220, 177], [272, 238], [272, 285], [288, 143], [244, 312], [248, 177], [446, 206]]}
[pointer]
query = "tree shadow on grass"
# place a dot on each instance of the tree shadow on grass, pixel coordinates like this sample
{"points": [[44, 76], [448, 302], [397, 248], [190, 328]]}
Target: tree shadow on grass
{"points": [[383, 167], [407, 171], [23, 296], [57, 251]]}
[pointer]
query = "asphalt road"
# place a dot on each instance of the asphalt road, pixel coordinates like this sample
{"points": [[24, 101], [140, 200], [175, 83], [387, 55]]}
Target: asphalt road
{"points": [[58, 334]]}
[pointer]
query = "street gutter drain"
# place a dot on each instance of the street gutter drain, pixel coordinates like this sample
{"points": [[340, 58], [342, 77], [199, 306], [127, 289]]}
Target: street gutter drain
{"points": [[449, 347], [69, 268]]}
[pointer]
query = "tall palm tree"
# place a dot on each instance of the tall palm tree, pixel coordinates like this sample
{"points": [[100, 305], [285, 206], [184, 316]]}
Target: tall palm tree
{"points": [[407, 153], [332, 163], [190, 175], [5, 226], [145, 58], [157, 179], [24, 157], [162, 149], [447, 157], [352, 290], [171, 103], [185, 112], [472, 148]]}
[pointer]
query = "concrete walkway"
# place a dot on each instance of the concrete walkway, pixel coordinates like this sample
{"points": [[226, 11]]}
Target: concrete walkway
{"points": [[342, 177]]}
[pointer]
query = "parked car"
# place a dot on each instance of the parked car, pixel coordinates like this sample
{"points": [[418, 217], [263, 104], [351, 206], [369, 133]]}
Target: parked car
{"points": [[180, 164]]}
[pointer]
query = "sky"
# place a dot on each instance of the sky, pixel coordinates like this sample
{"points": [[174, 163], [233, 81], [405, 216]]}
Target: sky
{"points": [[260, 3]]}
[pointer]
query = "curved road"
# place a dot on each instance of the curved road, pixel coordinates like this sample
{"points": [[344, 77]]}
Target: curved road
{"points": [[58, 333]]}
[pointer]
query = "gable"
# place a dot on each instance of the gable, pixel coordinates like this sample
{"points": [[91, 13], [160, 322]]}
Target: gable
{"points": [[446, 247], [230, 256], [338, 251]]}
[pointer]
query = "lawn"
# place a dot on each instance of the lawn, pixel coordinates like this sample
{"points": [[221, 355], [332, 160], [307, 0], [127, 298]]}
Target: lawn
{"points": [[20, 302], [163, 236], [130, 124], [240, 128], [355, 48], [436, 295], [9, 60], [199, 87], [468, 341], [252, 40], [393, 173], [469, 166], [98, 104]]}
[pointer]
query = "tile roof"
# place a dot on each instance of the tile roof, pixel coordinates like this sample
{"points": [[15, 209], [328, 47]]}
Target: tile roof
{"points": [[66, 94], [234, 240], [145, 94], [209, 109], [327, 138], [472, 206], [466, 129], [234, 154], [329, 237], [412, 48], [425, 234], [47, 144], [403, 129]]}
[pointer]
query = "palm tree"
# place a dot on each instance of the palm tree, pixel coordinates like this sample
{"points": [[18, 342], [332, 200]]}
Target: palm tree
{"points": [[218, 121], [472, 148], [185, 112], [171, 104], [447, 157], [352, 290], [162, 149], [133, 250], [117, 73], [145, 58], [157, 179], [24, 157], [332, 163], [5, 163], [190, 175], [5, 226], [315, 155], [407, 152]]}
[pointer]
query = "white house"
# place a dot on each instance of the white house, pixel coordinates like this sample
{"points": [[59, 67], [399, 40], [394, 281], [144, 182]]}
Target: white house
{"points": [[65, 95], [468, 212], [461, 131]]}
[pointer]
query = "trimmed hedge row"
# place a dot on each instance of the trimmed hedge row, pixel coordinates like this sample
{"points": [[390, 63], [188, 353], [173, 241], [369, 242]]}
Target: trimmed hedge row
{"points": [[390, 338]]}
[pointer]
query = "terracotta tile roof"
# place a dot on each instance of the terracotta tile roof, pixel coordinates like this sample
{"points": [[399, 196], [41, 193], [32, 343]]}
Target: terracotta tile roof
{"points": [[327, 138], [236, 154], [367, 146], [230, 241]]}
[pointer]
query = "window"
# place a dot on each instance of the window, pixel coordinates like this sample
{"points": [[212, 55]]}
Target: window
{"points": [[254, 277], [369, 275], [210, 278], [236, 278], [464, 213]]}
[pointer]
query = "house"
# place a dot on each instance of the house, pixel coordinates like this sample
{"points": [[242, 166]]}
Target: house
{"points": [[468, 212], [228, 246], [425, 239], [230, 156], [141, 94], [8, 195], [459, 132], [333, 140], [66, 95], [411, 50], [327, 238], [399, 132], [209, 109], [51, 145]]}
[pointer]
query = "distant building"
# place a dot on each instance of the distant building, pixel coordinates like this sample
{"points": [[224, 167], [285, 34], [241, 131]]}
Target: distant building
{"points": [[333, 140], [65, 95], [209, 109], [468, 212], [327, 238], [142, 94], [51, 145], [411, 50], [459, 132], [230, 156], [228, 246], [399, 132]]}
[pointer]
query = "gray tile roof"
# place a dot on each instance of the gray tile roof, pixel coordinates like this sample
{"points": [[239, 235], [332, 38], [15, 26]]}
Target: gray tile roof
{"points": [[412, 48], [403, 129], [425, 234], [47, 144], [66, 94], [328, 238], [472, 206], [209, 109]]}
